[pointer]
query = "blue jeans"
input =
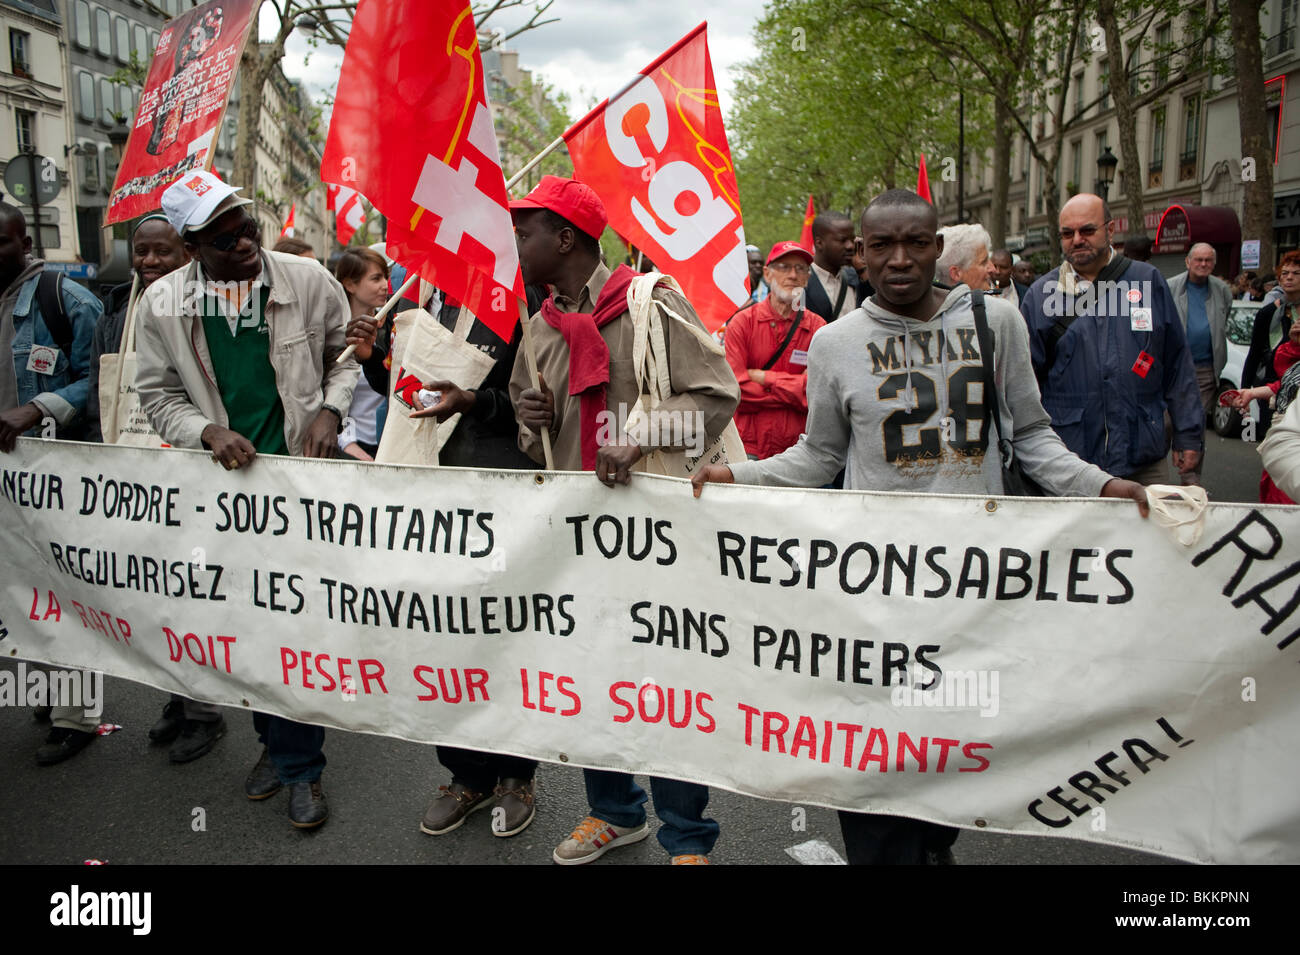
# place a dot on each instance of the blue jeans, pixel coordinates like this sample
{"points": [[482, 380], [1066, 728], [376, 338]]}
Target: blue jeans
{"points": [[617, 799], [294, 748]]}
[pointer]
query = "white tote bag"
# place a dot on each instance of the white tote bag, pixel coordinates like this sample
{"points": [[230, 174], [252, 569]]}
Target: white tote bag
{"points": [[121, 419], [425, 349], [650, 359]]}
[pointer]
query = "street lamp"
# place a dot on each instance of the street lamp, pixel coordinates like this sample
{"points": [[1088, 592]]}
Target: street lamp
{"points": [[1106, 164], [307, 25]]}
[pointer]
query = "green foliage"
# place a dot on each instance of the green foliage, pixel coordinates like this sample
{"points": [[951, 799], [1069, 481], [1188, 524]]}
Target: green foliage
{"points": [[839, 103], [133, 74], [532, 116]]}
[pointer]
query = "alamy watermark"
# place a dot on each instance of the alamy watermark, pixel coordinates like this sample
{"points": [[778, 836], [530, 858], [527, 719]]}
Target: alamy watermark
{"points": [[675, 430], [39, 686], [952, 689], [1101, 299]]}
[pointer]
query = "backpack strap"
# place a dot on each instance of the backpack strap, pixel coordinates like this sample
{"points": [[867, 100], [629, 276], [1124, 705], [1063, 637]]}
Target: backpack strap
{"points": [[1116, 267], [49, 294], [794, 326]]}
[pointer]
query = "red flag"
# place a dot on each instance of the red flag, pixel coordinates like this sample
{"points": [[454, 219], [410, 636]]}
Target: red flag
{"points": [[349, 212], [805, 238], [288, 223], [923, 182], [657, 155], [412, 130]]}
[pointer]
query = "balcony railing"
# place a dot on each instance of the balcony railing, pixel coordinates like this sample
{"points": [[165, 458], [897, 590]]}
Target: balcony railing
{"points": [[1279, 43]]}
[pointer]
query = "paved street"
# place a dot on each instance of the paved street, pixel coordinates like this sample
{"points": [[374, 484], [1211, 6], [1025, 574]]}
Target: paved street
{"points": [[121, 801]]}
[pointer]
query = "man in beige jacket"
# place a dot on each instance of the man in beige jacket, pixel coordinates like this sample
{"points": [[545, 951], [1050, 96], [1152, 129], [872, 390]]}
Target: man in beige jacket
{"points": [[236, 353]]}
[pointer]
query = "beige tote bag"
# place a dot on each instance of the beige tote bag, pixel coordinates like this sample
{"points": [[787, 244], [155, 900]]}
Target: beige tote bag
{"points": [[121, 419]]}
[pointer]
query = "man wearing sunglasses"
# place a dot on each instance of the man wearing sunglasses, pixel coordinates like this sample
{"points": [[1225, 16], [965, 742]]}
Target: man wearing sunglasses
{"points": [[236, 354], [1111, 356]]}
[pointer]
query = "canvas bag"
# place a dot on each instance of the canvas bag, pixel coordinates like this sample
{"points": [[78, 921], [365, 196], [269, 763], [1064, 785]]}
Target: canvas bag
{"points": [[425, 348], [650, 359], [121, 419]]}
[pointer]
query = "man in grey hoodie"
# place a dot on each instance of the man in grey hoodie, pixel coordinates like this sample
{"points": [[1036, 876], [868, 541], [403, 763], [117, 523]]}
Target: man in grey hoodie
{"points": [[881, 375]]}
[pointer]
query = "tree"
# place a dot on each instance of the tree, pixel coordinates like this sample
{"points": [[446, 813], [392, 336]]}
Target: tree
{"points": [[836, 105], [1257, 216], [1136, 81]]}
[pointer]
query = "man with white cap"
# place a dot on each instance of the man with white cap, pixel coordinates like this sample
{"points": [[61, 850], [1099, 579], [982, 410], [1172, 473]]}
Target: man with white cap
{"points": [[236, 354]]}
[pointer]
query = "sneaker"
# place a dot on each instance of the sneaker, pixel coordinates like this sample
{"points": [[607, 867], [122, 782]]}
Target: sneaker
{"points": [[307, 806], [170, 724], [197, 739], [263, 782], [593, 838], [451, 808], [693, 858], [515, 806], [62, 744]]}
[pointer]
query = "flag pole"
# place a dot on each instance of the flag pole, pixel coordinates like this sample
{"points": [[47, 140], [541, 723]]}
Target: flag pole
{"points": [[380, 315], [528, 166], [531, 357]]}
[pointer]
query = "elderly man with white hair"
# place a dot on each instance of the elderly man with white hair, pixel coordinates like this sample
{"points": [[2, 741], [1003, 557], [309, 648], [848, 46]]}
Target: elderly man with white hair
{"points": [[965, 258], [1203, 302]]}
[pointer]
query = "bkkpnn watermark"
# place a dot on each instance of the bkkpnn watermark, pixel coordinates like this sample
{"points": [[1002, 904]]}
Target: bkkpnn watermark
{"points": [[43, 686], [953, 689]]}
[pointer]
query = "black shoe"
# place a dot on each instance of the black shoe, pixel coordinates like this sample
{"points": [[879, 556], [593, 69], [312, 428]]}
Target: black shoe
{"points": [[41, 714], [307, 806], [61, 744], [170, 724], [263, 782], [197, 739]]}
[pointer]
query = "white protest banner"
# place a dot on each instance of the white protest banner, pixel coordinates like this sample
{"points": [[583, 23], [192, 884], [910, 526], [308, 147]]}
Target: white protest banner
{"points": [[1020, 665]]}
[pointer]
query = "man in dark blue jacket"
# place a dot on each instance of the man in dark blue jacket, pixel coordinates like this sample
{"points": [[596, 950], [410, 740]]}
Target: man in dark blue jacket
{"points": [[1111, 356]]}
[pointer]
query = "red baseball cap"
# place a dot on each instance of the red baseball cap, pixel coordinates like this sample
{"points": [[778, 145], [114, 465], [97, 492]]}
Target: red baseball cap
{"points": [[788, 248], [570, 200]]}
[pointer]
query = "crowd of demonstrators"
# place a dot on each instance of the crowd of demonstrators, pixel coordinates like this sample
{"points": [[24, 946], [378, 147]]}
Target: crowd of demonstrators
{"points": [[1081, 405], [767, 349], [1107, 381], [1282, 390]]}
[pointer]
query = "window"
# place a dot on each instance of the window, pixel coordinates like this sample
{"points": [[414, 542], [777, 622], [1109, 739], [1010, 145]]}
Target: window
{"points": [[123, 37], [1076, 166], [1134, 69], [1078, 93], [150, 46], [90, 168], [25, 126], [1191, 126], [141, 47], [82, 34], [103, 33], [108, 102], [19, 53], [1103, 86], [86, 96], [1163, 36], [1158, 138]]}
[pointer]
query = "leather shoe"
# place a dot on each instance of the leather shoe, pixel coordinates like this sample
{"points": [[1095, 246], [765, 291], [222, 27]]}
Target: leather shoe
{"points": [[307, 806], [450, 809], [170, 724], [197, 739], [62, 744], [263, 782], [515, 806]]}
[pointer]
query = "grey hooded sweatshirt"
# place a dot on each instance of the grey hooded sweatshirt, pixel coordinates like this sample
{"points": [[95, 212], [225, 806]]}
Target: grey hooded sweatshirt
{"points": [[876, 385]]}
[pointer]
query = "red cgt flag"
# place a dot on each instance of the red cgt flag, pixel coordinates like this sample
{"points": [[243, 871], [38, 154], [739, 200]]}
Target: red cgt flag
{"points": [[657, 155], [805, 237], [349, 213], [288, 223], [411, 129]]}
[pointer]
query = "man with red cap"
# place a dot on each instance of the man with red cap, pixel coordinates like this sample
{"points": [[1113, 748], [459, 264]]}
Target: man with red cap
{"points": [[583, 337], [767, 348]]}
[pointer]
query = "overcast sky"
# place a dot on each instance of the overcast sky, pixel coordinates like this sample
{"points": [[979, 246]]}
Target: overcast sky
{"points": [[592, 51]]}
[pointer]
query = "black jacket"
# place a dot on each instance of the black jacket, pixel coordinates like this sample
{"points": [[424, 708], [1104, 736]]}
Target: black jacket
{"points": [[107, 341], [816, 300], [1258, 366]]}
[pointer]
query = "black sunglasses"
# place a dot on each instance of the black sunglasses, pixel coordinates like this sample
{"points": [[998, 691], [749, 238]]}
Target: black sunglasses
{"points": [[228, 240]]}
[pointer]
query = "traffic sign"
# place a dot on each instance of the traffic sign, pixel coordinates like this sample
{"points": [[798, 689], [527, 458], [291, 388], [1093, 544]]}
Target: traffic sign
{"points": [[28, 173], [74, 270]]}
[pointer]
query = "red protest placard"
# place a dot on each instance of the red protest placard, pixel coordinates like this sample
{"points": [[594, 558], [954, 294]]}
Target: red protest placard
{"points": [[657, 156], [182, 105]]}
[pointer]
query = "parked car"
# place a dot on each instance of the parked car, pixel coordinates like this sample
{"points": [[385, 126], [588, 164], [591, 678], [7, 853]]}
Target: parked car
{"points": [[1241, 320]]}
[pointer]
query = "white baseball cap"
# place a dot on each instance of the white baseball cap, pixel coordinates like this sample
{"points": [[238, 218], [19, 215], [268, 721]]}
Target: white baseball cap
{"points": [[195, 199]]}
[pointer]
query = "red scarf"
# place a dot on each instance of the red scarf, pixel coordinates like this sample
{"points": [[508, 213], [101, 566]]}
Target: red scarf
{"points": [[588, 353]]}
